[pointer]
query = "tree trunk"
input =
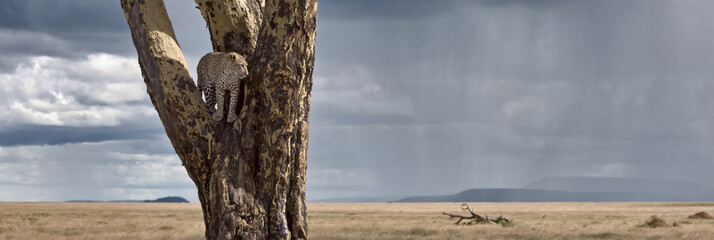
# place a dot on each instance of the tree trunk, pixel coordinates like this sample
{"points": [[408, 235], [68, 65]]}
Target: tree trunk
{"points": [[250, 173]]}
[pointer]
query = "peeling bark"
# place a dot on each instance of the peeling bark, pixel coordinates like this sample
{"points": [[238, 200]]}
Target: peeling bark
{"points": [[250, 174], [233, 24]]}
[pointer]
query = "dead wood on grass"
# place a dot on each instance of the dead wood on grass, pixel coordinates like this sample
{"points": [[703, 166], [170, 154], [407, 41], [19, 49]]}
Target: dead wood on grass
{"points": [[476, 218]]}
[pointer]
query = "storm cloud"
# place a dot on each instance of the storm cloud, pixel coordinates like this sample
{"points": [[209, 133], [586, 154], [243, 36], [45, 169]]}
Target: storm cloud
{"points": [[409, 97], [501, 93]]}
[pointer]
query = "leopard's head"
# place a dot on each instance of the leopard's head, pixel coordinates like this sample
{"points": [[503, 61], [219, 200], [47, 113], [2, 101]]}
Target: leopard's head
{"points": [[241, 64]]}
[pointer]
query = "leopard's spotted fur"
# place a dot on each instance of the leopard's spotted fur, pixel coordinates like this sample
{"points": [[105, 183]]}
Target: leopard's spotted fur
{"points": [[220, 72]]}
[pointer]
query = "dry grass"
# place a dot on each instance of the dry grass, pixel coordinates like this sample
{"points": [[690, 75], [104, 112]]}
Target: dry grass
{"points": [[530, 221], [100, 221], [656, 222], [364, 221], [701, 215]]}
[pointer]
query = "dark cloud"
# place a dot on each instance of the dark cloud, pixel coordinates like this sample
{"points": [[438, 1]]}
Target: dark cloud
{"points": [[13, 12], [370, 10], [383, 9], [532, 89], [21, 42], [69, 29], [75, 28], [51, 135], [62, 16], [71, 45], [526, 3]]}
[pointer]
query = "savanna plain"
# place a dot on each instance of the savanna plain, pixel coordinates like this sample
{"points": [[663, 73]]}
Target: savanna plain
{"points": [[366, 221]]}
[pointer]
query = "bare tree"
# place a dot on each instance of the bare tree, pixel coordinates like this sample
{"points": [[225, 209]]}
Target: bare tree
{"points": [[250, 173]]}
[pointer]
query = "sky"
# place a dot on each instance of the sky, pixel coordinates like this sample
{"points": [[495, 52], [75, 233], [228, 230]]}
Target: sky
{"points": [[409, 98]]}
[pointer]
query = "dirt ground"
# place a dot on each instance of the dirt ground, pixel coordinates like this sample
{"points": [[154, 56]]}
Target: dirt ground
{"points": [[365, 221]]}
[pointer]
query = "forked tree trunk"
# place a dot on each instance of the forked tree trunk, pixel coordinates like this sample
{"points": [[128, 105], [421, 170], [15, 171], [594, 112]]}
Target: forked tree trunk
{"points": [[250, 173]]}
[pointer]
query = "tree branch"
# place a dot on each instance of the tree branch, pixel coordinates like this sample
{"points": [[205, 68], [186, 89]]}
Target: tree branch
{"points": [[177, 100], [233, 24], [476, 218], [282, 81]]}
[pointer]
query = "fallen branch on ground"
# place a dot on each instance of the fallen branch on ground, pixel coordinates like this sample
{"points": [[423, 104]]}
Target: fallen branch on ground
{"points": [[476, 218]]}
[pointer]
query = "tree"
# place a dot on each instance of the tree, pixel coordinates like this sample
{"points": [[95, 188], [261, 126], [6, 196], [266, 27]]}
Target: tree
{"points": [[250, 173]]}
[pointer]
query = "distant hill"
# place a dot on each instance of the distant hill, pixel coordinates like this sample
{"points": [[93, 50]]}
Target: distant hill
{"points": [[609, 184], [354, 199], [583, 189], [100, 201], [535, 195], [169, 199]]}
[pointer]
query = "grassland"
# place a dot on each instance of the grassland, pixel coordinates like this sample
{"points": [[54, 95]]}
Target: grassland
{"points": [[364, 221]]}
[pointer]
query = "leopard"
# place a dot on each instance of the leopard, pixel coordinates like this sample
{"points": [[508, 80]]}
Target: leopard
{"points": [[219, 72]]}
